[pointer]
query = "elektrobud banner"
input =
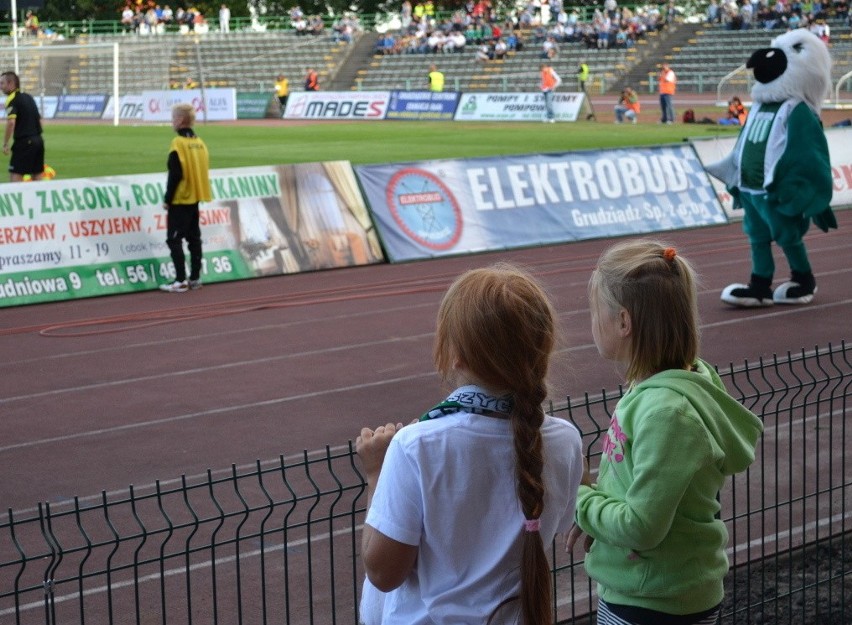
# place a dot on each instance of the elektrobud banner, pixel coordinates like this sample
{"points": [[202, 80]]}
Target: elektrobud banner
{"points": [[88, 237], [437, 208], [517, 107], [840, 150]]}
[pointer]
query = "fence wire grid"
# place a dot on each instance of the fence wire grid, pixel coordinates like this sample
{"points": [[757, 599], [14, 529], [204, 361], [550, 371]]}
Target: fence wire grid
{"points": [[278, 541]]}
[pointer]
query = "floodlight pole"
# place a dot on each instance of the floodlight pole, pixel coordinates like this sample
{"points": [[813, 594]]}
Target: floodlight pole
{"points": [[116, 103], [201, 78], [15, 33]]}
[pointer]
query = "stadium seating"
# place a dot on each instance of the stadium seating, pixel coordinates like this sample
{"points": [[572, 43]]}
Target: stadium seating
{"points": [[517, 72], [715, 52], [250, 61]]}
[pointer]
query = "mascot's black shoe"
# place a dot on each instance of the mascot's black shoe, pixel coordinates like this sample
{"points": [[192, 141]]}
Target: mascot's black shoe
{"points": [[757, 293], [800, 289]]}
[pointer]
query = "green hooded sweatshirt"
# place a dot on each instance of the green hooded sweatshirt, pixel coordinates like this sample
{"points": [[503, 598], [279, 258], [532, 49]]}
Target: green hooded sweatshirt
{"points": [[671, 443]]}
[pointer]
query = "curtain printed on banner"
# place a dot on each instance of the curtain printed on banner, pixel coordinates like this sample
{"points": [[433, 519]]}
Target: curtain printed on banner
{"points": [[89, 237], [439, 208]]}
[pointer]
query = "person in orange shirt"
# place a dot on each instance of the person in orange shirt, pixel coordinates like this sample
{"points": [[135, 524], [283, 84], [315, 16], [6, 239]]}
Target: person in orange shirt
{"points": [[311, 80], [550, 80], [668, 82], [737, 113], [627, 107]]}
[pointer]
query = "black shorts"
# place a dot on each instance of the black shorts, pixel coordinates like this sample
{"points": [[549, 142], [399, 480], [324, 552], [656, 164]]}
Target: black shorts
{"points": [[27, 155]]}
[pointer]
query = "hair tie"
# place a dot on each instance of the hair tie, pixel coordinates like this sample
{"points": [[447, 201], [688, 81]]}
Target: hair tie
{"points": [[669, 254], [532, 525]]}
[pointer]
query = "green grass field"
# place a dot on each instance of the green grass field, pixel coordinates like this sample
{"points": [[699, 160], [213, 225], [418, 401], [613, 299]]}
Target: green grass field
{"points": [[85, 151]]}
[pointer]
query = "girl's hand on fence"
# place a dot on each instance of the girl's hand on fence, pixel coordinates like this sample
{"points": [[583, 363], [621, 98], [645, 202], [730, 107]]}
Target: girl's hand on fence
{"points": [[372, 445], [574, 535]]}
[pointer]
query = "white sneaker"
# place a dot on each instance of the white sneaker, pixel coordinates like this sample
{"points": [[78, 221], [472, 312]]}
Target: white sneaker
{"points": [[194, 285], [175, 287]]}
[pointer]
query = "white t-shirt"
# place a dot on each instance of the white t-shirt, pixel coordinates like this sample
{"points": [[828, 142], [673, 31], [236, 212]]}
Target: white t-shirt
{"points": [[448, 486]]}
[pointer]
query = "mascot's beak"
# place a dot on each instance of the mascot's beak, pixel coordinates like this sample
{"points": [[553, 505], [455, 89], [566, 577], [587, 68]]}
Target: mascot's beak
{"points": [[768, 64]]}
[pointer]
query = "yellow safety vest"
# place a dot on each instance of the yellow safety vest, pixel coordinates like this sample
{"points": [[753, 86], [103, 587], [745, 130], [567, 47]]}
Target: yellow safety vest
{"points": [[194, 159]]}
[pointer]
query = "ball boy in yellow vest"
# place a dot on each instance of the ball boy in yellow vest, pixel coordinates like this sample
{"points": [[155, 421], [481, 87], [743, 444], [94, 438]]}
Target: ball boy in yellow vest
{"points": [[188, 184]]}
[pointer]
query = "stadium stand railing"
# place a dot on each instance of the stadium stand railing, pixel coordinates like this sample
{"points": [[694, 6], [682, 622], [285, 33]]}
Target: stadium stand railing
{"points": [[715, 52], [278, 541]]}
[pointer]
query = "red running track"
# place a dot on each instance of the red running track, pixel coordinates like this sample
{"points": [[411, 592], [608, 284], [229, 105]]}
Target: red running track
{"points": [[102, 393]]}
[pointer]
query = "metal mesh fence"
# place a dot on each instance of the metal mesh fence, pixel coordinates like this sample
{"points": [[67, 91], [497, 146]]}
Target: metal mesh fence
{"points": [[277, 542]]}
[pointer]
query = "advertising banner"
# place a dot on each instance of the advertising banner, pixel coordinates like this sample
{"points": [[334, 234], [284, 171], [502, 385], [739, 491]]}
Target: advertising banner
{"points": [[46, 106], [423, 105], [88, 237], [839, 148], [253, 104], [438, 208], [369, 105], [81, 106], [517, 107], [218, 104], [130, 107]]}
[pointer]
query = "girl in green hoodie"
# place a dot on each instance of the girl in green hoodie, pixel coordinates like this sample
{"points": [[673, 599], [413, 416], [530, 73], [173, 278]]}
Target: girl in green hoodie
{"points": [[656, 546]]}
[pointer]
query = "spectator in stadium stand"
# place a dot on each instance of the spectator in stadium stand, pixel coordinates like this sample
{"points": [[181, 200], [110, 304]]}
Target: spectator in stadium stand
{"points": [[549, 49], [151, 21], [23, 125], [455, 42], [405, 14], [501, 49], [31, 24], [127, 21], [224, 19], [419, 12], [713, 13], [300, 25], [436, 79], [198, 19], [167, 16], [316, 26], [667, 85], [282, 91], [484, 54], [311, 80], [187, 184], [550, 80]]}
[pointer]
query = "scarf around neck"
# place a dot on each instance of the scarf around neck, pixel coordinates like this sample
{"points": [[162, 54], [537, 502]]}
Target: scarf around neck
{"points": [[471, 398]]}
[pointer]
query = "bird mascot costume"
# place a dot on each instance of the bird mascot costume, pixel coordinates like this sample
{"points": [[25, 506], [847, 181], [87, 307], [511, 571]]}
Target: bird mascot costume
{"points": [[779, 171]]}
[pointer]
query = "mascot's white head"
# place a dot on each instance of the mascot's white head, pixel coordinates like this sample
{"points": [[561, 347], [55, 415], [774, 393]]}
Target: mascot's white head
{"points": [[796, 67]]}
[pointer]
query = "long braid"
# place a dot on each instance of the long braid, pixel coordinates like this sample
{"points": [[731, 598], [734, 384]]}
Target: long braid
{"points": [[535, 592], [501, 325]]}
